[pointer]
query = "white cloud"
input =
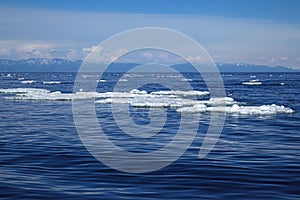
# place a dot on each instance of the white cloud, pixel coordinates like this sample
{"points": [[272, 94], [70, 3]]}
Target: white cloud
{"points": [[147, 55], [15, 49], [73, 54], [196, 59], [96, 54], [93, 49], [40, 32], [32, 49]]}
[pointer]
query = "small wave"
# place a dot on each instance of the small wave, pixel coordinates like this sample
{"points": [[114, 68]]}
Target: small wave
{"points": [[51, 82]]}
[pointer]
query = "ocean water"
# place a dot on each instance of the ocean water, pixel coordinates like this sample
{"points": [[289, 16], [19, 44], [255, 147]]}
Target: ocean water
{"points": [[256, 157]]}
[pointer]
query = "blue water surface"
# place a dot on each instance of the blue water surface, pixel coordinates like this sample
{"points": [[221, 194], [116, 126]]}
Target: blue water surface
{"points": [[256, 157]]}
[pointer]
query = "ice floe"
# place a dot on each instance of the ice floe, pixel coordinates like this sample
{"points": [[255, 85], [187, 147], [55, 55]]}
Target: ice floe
{"points": [[101, 81], [252, 82], [237, 109], [182, 101], [181, 93], [51, 82], [28, 82]]}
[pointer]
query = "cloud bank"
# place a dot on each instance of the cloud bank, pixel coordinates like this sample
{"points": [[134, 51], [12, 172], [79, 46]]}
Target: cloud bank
{"points": [[70, 34]]}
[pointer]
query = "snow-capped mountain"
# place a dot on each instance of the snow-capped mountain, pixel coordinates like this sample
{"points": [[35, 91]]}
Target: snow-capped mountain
{"points": [[39, 65], [61, 65], [246, 67]]}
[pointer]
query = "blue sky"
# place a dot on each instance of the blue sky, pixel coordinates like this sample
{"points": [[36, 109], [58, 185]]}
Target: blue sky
{"points": [[261, 32]]}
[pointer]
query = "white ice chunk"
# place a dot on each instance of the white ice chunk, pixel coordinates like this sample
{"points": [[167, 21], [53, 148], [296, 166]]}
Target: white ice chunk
{"points": [[252, 82], [242, 110], [101, 80], [28, 81], [159, 99], [181, 93], [51, 82]]}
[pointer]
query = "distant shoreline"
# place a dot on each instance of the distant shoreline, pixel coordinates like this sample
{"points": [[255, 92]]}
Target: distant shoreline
{"points": [[62, 65]]}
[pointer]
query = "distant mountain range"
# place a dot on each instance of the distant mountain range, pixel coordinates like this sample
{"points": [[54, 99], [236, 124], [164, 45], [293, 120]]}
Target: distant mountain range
{"points": [[39, 65], [244, 67], [61, 65]]}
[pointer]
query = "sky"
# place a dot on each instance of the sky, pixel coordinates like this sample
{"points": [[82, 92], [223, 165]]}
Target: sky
{"points": [[257, 31]]}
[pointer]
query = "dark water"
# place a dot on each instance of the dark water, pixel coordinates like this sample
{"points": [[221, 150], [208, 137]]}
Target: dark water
{"points": [[256, 157]]}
